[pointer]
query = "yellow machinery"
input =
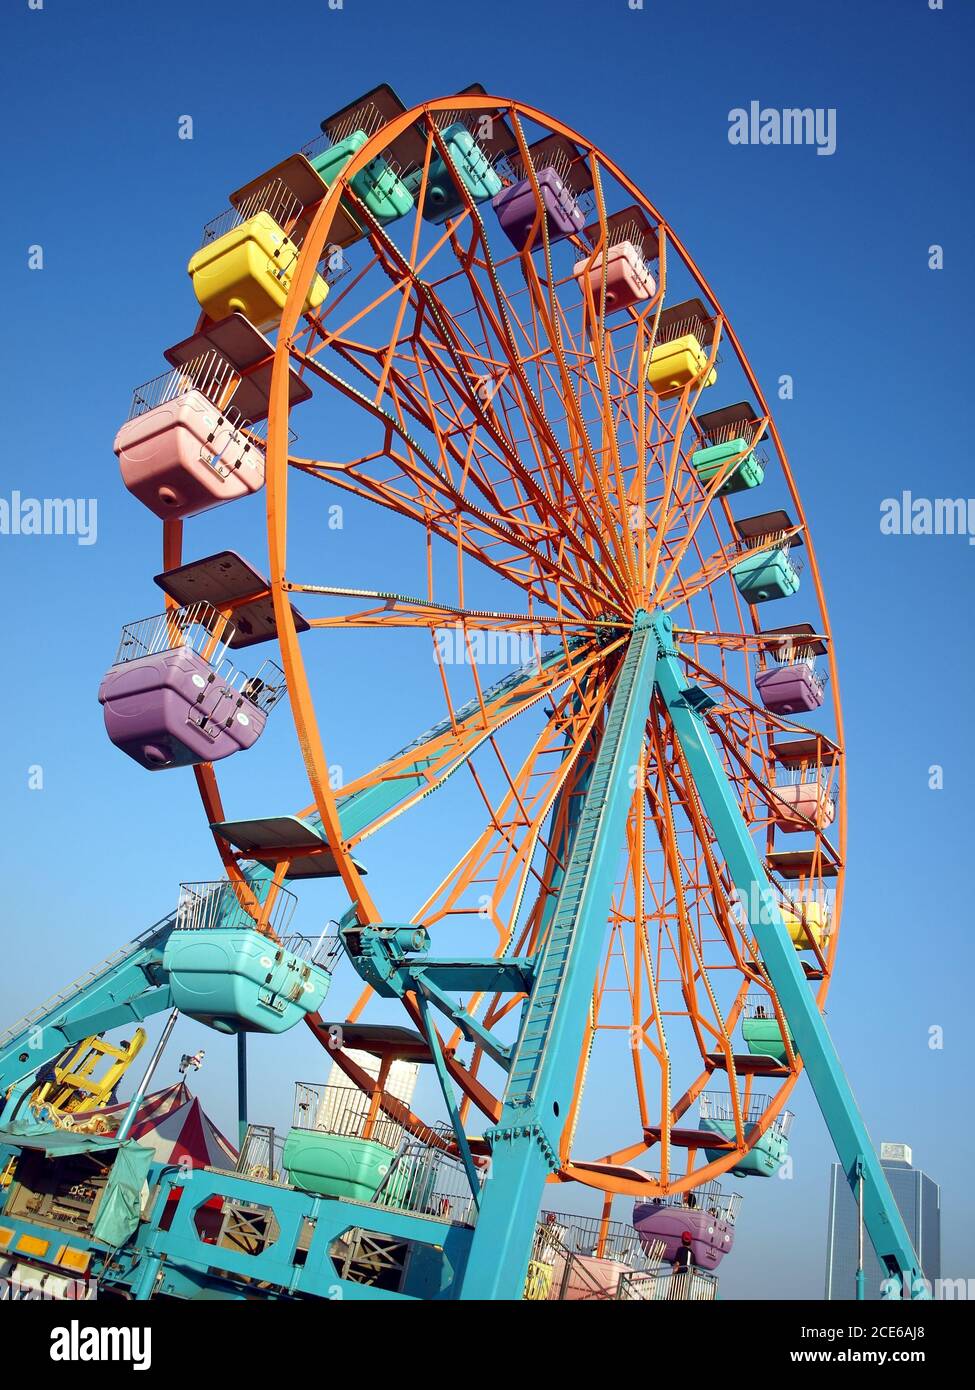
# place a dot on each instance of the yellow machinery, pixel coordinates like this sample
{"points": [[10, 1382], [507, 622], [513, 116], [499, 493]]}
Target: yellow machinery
{"points": [[75, 1085], [674, 365]]}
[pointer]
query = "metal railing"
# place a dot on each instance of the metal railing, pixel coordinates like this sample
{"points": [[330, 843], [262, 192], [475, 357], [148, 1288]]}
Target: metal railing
{"points": [[788, 655], [716, 1105], [334, 266], [424, 1178], [202, 629], [343, 1110], [587, 1235], [217, 381], [367, 118], [806, 909], [558, 161], [636, 236], [505, 169], [810, 776], [710, 1198], [693, 323], [227, 904], [198, 626], [668, 1285], [210, 373], [274, 197], [323, 951], [616, 237], [559, 1273], [586, 202], [552, 158], [758, 1006], [317, 145], [264, 689], [261, 1154], [767, 546], [737, 429]]}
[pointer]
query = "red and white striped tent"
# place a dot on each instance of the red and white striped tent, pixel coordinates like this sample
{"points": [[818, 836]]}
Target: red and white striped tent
{"points": [[172, 1123]]}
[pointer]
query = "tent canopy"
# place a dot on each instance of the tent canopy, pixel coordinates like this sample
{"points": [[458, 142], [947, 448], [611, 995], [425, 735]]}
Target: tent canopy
{"points": [[173, 1124]]}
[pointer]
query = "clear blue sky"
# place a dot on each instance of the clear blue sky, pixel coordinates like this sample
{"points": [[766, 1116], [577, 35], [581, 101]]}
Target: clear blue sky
{"points": [[822, 265]]}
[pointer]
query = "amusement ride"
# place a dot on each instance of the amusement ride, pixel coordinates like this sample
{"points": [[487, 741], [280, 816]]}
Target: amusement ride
{"points": [[618, 962]]}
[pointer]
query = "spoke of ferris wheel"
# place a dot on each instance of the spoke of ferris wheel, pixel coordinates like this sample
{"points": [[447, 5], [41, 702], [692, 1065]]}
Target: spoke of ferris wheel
{"points": [[687, 403], [437, 481], [546, 582], [591, 702], [455, 349], [577, 424], [412, 772], [532, 408], [388, 597], [566, 733], [546, 572], [598, 329], [519, 868], [524, 1145]]}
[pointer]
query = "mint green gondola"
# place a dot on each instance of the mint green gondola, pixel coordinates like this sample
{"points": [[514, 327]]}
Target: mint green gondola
{"points": [[766, 1155], [768, 575], [749, 472], [377, 186], [443, 197], [764, 1038], [335, 1165], [237, 981]]}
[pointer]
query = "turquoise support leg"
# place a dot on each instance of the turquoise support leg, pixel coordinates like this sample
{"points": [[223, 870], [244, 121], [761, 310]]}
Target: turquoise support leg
{"points": [[881, 1217]]}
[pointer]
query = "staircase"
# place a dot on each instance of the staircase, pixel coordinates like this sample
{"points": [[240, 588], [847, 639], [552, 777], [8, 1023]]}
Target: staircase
{"points": [[566, 921]]}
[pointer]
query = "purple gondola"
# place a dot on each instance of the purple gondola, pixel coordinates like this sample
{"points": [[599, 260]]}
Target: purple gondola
{"points": [[709, 1224]]}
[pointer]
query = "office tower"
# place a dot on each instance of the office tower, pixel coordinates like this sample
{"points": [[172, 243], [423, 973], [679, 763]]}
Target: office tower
{"points": [[919, 1200], [343, 1106]]}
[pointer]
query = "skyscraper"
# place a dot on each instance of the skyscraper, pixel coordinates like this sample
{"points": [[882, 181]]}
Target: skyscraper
{"points": [[919, 1200], [344, 1104]]}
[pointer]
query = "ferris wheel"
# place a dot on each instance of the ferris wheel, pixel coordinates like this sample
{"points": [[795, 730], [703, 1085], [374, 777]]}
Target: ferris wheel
{"points": [[640, 872]]}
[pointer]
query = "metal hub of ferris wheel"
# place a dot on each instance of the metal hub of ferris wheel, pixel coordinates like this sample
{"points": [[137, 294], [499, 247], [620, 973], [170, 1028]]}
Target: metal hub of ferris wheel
{"points": [[464, 323]]}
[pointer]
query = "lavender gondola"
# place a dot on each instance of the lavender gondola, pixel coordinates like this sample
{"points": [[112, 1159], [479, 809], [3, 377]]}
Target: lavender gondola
{"points": [[517, 209], [173, 700], [709, 1223], [792, 683], [795, 688], [562, 178]]}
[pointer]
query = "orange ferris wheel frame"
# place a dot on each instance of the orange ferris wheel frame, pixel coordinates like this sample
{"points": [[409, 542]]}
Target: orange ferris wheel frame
{"points": [[596, 575]]}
